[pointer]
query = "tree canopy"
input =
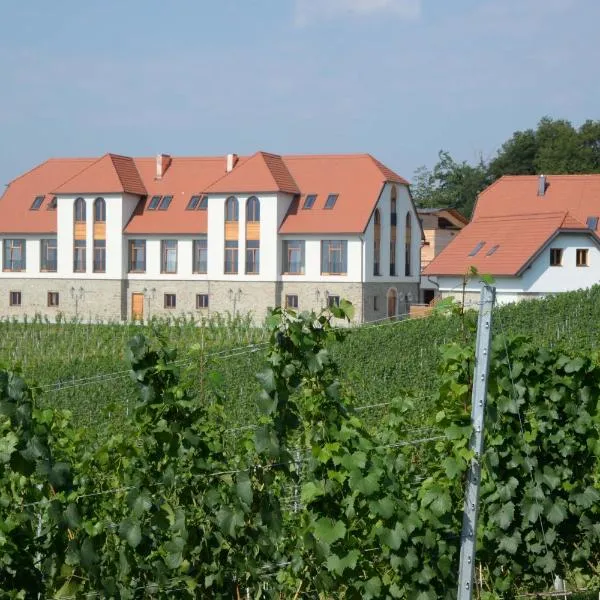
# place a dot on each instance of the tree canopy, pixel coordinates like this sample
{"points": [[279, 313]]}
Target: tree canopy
{"points": [[554, 147]]}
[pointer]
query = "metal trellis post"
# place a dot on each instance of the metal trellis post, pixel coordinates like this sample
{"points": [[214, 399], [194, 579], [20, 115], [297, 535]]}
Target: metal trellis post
{"points": [[480, 384]]}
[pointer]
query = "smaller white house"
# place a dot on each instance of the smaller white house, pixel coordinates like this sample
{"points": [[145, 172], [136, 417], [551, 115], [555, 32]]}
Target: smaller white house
{"points": [[534, 235]]}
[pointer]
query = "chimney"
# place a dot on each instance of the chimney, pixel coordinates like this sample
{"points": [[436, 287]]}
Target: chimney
{"points": [[541, 185], [231, 162], [163, 162]]}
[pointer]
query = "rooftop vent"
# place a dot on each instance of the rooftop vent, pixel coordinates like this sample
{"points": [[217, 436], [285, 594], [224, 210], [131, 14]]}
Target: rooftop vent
{"points": [[542, 185], [231, 162], [163, 161]]}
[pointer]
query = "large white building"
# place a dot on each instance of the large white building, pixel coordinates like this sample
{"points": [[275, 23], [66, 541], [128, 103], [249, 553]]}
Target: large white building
{"points": [[116, 237], [536, 235]]}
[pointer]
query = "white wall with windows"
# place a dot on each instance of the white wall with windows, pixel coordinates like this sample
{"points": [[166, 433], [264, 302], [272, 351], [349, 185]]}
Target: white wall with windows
{"points": [[540, 277], [30, 259]]}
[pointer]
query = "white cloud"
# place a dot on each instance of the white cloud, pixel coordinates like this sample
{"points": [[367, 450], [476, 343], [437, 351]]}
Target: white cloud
{"points": [[311, 10]]}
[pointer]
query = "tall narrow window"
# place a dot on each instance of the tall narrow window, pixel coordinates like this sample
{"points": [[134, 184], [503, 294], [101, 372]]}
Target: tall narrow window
{"points": [[200, 256], [137, 256], [14, 255], [231, 209], [407, 247], [582, 257], [253, 236], [168, 256], [99, 210], [79, 256], [252, 257], [393, 232], [99, 256], [79, 236], [334, 257], [231, 257], [377, 242], [48, 256], [293, 257]]}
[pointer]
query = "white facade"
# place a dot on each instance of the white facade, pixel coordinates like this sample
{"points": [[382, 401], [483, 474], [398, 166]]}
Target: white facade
{"points": [[539, 278]]}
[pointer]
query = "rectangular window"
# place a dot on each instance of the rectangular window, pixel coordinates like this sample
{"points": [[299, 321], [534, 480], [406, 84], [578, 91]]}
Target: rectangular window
{"points": [[376, 303], [592, 222], [79, 256], [170, 301], [48, 256], [193, 203], [137, 256], [293, 257], [556, 257], [331, 200], [52, 204], [168, 251], [154, 202], [582, 257], [333, 301], [165, 202], [231, 257], [377, 253], [252, 257], [99, 256], [393, 258], [309, 201], [14, 298], [14, 255], [53, 298], [37, 203], [477, 248], [200, 256], [291, 301], [201, 301], [334, 257]]}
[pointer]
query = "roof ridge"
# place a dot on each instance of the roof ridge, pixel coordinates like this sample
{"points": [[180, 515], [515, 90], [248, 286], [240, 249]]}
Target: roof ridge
{"points": [[521, 216], [22, 175]]}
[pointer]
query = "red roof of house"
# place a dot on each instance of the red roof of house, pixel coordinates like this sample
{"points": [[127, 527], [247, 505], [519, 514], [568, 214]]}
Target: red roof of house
{"points": [[357, 180], [110, 174], [512, 216]]}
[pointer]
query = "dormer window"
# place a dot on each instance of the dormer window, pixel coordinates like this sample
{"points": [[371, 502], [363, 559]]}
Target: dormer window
{"points": [[309, 201], [331, 200], [37, 203], [154, 202], [165, 202]]}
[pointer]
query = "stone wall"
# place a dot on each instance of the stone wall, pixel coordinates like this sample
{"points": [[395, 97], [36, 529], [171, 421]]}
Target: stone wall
{"points": [[406, 294], [86, 299]]}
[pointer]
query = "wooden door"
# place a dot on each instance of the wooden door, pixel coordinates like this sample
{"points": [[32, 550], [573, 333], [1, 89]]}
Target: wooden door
{"points": [[137, 307], [391, 303]]}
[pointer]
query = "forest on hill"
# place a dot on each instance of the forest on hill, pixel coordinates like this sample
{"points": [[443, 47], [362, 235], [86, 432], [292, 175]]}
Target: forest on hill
{"points": [[555, 146]]}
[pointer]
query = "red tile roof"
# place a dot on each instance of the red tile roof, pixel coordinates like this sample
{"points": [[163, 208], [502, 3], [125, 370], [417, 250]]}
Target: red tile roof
{"points": [[511, 215], [261, 172], [357, 179], [110, 174]]}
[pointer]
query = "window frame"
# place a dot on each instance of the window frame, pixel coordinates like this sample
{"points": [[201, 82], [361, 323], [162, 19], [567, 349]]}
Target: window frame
{"points": [[231, 250], [330, 246], [8, 248], [330, 202], [79, 252], [253, 210], [45, 246], [37, 202], [232, 209], [165, 202], [376, 303], [286, 252], [154, 202], [309, 201], [79, 210], [167, 301], [556, 252], [202, 301], [131, 246], [100, 205], [290, 303], [252, 257], [584, 253], [15, 294], [52, 204], [166, 247], [197, 249], [194, 202], [332, 301], [99, 246], [50, 298]]}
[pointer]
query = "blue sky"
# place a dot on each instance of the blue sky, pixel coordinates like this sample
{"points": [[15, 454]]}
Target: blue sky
{"points": [[397, 78]]}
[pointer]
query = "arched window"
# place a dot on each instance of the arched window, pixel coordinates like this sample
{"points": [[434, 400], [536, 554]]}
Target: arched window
{"points": [[393, 237], [99, 210], [376, 242], [408, 240], [80, 210], [252, 210], [231, 209], [392, 298]]}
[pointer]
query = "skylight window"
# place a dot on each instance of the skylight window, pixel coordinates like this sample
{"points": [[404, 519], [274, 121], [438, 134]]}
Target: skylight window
{"points": [[165, 202], [309, 201], [492, 250], [37, 203], [331, 200], [154, 202], [203, 203], [592, 222], [477, 248], [52, 204], [193, 203]]}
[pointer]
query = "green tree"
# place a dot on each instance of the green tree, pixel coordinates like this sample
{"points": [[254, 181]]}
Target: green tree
{"points": [[517, 156]]}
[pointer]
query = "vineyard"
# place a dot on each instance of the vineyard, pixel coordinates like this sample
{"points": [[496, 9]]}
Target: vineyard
{"points": [[240, 463]]}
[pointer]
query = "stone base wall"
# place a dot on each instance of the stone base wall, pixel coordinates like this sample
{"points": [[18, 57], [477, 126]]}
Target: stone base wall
{"points": [[376, 299], [88, 300]]}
